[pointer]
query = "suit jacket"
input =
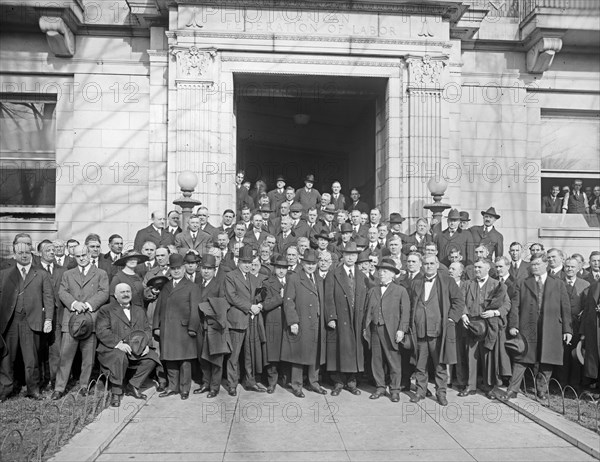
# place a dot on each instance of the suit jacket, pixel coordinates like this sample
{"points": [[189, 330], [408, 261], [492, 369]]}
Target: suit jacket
{"points": [[184, 242], [281, 243], [363, 230], [301, 229], [308, 199], [340, 202], [150, 234], [68, 262], [361, 206], [590, 277], [550, 205], [38, 297], [174, 232], [142, 269], [521, 272], [461, 239], [493, 296], [576, 293], [273, 317], [411, 240], [250, 238], [590, 327], [494, 241], [56, 278], [105, 263], [276, 198], [242, 199], [221, 229], [91, 288], [240, 295]]}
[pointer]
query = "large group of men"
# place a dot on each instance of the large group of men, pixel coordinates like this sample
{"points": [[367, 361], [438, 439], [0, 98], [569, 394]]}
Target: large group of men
{"points": [[303, 287]]}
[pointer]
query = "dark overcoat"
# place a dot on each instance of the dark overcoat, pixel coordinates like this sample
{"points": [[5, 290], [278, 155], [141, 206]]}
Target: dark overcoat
{"points": [[240, 295], [590, 327], [273, 317]]}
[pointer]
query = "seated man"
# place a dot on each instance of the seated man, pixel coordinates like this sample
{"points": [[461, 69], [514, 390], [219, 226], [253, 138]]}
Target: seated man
{"points": [[116, 321]]}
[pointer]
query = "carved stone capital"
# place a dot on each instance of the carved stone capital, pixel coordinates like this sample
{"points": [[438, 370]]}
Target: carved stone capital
{"points": [[541, 54], [194, 63], [60, 38], [425, 71]]}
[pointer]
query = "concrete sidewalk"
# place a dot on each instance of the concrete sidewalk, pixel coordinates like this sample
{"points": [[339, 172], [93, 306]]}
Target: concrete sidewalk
{"points": [[264, 427]]}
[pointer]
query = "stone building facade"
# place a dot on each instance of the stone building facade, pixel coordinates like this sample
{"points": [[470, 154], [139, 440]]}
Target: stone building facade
{"points": [[104, 103]]}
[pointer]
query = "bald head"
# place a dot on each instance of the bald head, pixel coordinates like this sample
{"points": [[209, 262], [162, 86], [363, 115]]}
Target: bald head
{"points": [[159, 219]]}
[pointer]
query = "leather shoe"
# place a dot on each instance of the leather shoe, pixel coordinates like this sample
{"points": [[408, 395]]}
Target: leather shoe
{"points": [[395, 397], [467, 392], [510, 395], [202, 389], [185, 396], [166, 393], [319, 390], [355, 391], [336, 391], [57, 395], [271, 389], [377, 395], [115, 400], [442, 400], [160, 388], [132, 391], [212, 394], [428, 394], [491, 395], [416, 398], [298, 393], [232, 392], [257, 387]]}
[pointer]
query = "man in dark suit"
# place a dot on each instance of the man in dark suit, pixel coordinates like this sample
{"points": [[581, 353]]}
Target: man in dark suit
{"points": [[416, 241], [355, 202], [82, 289], [173, 223], [240, 287], [277, 195], [175, 324], [299, 226], [308, 197], [326, 224], [256, 234], [488, 235], [155, 232], [358, 229], [242, 198], [65, 261], [115, 322], [556, 257], [386, 322], [395, 222], [552, 203], [227, 224], [337, 198], [149, 250], [202, 213], [519, 269], [193, 238], [304, 339], [594, 268], [26, 311], [437, 305], [452, 236], [541, 312], [115, 245], [345, 295]]}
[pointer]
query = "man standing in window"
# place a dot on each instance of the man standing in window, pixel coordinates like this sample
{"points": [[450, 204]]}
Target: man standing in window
{"points": [[576, 201]]}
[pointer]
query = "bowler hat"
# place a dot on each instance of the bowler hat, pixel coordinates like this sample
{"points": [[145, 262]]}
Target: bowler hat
{"points": [[350, 248], [491, 211], [388, 264], [346, 228], [208, 261], [191, 257], [280, 261], [157, 282], [129, 255], [246, 254], [138, 341], [175, 260], [396, 218], [310, 256], [464, 216], [296, 207], [363, 257], [81, 325], [323, 235], [454, 214], [478, 327], [310, 178], [516, 346], [330, 208], [279, 178]]}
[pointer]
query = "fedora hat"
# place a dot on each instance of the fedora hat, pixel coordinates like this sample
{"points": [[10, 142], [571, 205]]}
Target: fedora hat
{"points": [[492, 212], [157, 282], [279, 178], [407, 342], [454, 214], [323, 235], [310, 178], [138, 341], [396, 218], [330, 208], [129, 255], [175, 260], [363, 257], [208, 261], [346, 228], [516, 346], [280, 261], [191, 257], [81, 325], [246, 254], [351, 248], [578, 353], [296, 207], [464, 216], [388, 264], [265, 209], [310, 256], [478, 327], [361, 241]]}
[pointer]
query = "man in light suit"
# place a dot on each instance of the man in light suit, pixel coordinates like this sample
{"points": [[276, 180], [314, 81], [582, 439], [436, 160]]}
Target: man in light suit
{"points": [[84, 288], [26, 311], [193, 238], [155, 232]]}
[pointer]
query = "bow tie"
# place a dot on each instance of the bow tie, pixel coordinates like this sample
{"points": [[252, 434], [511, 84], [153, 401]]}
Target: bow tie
{"points": [[384, 285], [126, 307], [430, 279], [480, 280]]}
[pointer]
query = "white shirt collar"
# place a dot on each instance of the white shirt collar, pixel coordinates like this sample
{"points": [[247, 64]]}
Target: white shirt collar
{"points": [[543, 277], [27, 267]]}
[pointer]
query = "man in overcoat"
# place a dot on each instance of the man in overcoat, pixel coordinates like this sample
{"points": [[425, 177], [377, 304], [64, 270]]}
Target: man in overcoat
{"points": [[590, 331]]}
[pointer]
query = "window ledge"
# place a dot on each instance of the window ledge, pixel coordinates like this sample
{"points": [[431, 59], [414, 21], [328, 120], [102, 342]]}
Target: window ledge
{"points": [[570, 233], [33, 225]]}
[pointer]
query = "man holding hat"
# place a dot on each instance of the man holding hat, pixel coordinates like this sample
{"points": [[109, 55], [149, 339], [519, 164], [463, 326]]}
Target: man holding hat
{"points": [[487, 234], [122, 330], [304, 340], [345, 295], [176, 326], [308, 196], [386, 322], [453, 236], [326, 224]]}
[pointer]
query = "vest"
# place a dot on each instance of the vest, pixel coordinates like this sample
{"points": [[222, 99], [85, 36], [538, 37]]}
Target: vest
{"points": [[428, 315], [576, 204]]}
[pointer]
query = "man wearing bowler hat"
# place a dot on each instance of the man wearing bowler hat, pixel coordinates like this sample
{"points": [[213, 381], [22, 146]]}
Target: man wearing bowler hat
{"points": [[345, 295], [175, 325], [118, 324], [396, 221], [465, 221], [308, 197], [453, 236], [487, 234], [304, 340], [386, 322]]}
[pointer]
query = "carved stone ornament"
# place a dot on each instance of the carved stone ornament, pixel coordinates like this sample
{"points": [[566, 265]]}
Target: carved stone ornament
{"points": [[60, 38], [541, 55], [425, 71], [193, 63]]}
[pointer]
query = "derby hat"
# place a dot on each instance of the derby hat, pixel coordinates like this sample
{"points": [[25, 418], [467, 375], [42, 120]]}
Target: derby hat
{"points": [[346, 228], [81, 325], [464, 216], [246, 254], [478, 328], [138, 341], [351, 248], [363, 257], [296, 207], [361, 241], [208, 261], [130, 255], [388, 264], [265, 209], [157, 282], [516, 346], [310, 256], [323, 235], [310, 178], [491, 211], [280, 261], [279, 178], [454, 214], [396, 218], [175, 260]]}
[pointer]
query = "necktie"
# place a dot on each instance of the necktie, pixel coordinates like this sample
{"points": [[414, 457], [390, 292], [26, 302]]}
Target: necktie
{"points": [[148, 265], [194, 237], [597, 276], [24, 272], [175, 283], [351, 275], [540, 293], [94, 262]]}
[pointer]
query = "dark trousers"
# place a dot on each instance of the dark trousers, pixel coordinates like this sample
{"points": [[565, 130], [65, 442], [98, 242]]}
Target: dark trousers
{"points": [[571, 372], [211, 374], [313, 375], [542, 378], [238, 338], [429, 347], [54, 352], [470, 353], [179, 375], [407, 368], [272, 374], [68, 349], [19, 334], [118, 363], [344, 378], [381, 347], [6, 380]]}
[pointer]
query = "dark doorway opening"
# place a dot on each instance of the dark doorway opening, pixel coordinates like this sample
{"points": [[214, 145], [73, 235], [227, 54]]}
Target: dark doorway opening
{"points": [[296, 125]]}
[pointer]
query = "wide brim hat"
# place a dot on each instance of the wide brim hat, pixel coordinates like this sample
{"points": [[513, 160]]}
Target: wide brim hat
{"points": [[208, 261], [396, 218], [138, 341], [323, 235], [578, 353], [157, 282], [478, 328], [388, 264], [310, 256], [516, 346], [81, 325], [351, 248], [454, 214], [464, 216], [131, 255], [246, 254], [346, 228], [363, 257], [280, 261], [175, 260], [492, 212], [309, 178], [330, 209]]}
